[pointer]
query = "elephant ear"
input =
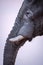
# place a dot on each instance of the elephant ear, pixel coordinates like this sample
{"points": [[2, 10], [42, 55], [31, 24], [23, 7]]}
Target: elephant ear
{"points": [[40, 2]]}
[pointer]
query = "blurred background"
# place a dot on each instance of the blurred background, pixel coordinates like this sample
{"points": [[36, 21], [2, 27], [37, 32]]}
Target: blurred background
{"points": [[29, 54]]}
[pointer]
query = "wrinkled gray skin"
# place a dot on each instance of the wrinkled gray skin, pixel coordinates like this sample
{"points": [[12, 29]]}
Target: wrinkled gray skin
{"points": [[10, 51]]}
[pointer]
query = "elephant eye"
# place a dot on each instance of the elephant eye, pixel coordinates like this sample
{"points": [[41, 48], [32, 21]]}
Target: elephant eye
{"points": [[27, 13]]}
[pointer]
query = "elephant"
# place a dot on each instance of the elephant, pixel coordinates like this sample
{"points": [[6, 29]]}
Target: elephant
{"points": [[35, 19]]}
